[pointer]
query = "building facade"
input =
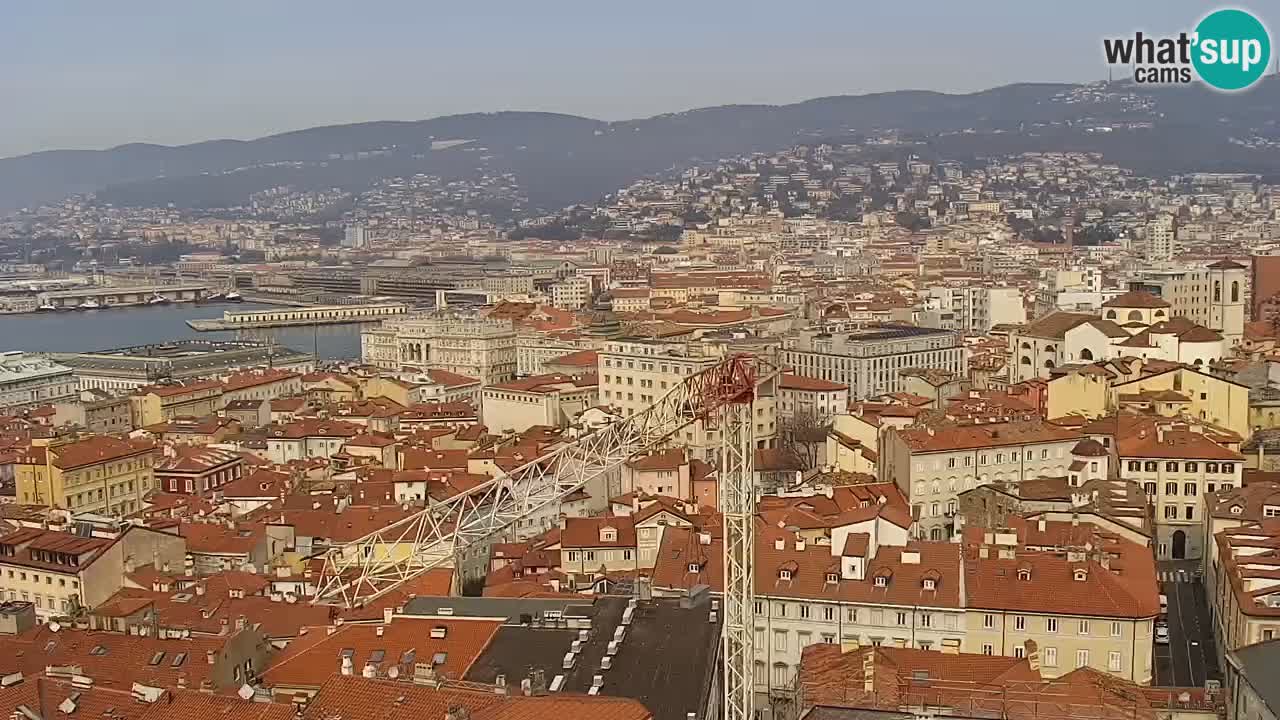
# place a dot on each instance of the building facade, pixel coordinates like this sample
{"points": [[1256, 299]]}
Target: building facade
{"points": [[868, 360]]}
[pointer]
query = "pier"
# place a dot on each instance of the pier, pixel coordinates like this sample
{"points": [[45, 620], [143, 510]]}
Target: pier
{"points": [[125, 296], [289, 317]]}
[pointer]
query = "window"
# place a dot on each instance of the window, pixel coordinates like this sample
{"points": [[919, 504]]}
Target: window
{"points": [[1170, 512], [902, 619], [882, 581], [951, 462], [1134, 466], [1189, 489], [1149, 488], [804, 611], [1115, 628], [988, 649], [1083, 629], [1019, 651], [1190, 512], [1171, 467], [828, 613], [1192, 467], [1211, 467], [988, 621], [1019, 622], [1082, 658], [780, 609], [851, 615], [779, 675], [1044, 454], [1228, 468], [1050, 657], [759, 608], [1171, 488], [780, 640], [1051, 625], [1151, 466], [926, 620]]}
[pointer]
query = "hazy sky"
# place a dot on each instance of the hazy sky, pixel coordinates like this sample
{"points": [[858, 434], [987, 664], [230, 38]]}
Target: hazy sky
{"points": [[95, 73]]}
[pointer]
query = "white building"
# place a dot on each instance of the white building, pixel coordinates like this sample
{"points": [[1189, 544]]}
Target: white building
{"points": [[572, 293], [635, 372], [355, 236], [27, 381], [476, 347], [975, 310], [1213, 296], [1162, 239], [869, 360]]}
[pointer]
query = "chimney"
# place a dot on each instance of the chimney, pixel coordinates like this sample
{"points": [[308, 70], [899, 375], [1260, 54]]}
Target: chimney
{"points": [[199, 588], [780, 544], [869, 671], [387, 614], [799, 544], [380, 630], [210, 656], [1041, 524], [1033, 654], [241, 622]]}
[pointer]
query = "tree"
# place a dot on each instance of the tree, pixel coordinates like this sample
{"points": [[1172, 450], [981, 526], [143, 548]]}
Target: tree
{"points": [[803, 436]]}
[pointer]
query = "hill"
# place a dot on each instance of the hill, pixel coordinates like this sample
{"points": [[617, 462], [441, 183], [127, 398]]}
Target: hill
{"points": [[562, 159]]}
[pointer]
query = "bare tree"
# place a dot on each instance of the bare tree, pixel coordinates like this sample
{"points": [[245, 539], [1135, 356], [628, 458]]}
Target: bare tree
{"points": [[803, 436]]}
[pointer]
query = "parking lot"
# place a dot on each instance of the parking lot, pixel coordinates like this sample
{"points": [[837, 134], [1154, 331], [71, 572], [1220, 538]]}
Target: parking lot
{"points": [[1190, 657]]}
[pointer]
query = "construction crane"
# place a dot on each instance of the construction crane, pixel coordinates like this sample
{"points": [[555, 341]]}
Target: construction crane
{"points": [[724, 395]]}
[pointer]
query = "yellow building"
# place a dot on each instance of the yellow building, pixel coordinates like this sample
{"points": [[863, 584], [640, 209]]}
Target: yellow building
{"points": [[160, 403], [99, 474], [1200, 396]]}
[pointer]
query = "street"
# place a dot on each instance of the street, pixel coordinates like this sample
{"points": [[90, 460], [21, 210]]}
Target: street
{"points": [[1190, 657]]}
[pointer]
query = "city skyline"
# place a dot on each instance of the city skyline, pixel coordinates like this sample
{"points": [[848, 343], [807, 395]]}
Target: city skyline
{"points": [[92, 79]]}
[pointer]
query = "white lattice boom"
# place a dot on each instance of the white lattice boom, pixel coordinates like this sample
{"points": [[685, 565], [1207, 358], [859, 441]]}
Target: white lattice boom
{"points": [[360, 571]]}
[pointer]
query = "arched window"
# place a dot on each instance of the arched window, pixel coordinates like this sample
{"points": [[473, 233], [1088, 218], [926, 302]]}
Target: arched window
{"points": [[1049, 348], [1111, 315], [1048, 364], [1086, 354], [1026, 346], [1235, 291], [1026, 360], [1135, 315], [935, 534], [1217, 291], [1159, 313]]}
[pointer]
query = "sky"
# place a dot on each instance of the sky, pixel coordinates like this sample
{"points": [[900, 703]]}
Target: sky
{"points": [[94, 74]]}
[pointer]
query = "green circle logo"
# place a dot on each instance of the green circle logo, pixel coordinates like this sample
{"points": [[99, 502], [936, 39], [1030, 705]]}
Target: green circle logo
{"points": [[1232, 49]]}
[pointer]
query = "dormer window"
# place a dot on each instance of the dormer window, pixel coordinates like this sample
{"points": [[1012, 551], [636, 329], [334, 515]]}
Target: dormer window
{"points": [[608, 535], [695, 567], [784, 574], [1236, 509], [832, 578], [1024, 573], [930, 584], [1081, 574], [882, 581]]}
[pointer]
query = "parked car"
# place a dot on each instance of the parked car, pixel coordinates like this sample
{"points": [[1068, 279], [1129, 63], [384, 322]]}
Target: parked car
{"points": [[1162, 634]]}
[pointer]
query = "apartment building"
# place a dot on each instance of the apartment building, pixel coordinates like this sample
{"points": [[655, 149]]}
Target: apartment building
{"points": [[552, 400], [806, 397], [933, 466], [868, 360], [1162, 239], [27, 381], [973, 309], [59, 572], [483, 348], [1100, 613], [99, 474], [159, 403], [1177, 466], [1241, 562], [571, 293], [634, 372], [197, 470]]}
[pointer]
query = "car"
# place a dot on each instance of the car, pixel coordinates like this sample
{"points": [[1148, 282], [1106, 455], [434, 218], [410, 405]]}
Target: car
{"points": [[1162, 635], [1164, 604]]}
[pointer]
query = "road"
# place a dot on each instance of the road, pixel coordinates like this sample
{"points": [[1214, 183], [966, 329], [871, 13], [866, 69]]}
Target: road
{"points": [[1190, 657]]}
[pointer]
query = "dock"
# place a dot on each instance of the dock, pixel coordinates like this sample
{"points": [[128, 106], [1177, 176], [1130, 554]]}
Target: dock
{"points": [[300, 317], [123, 296]]}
